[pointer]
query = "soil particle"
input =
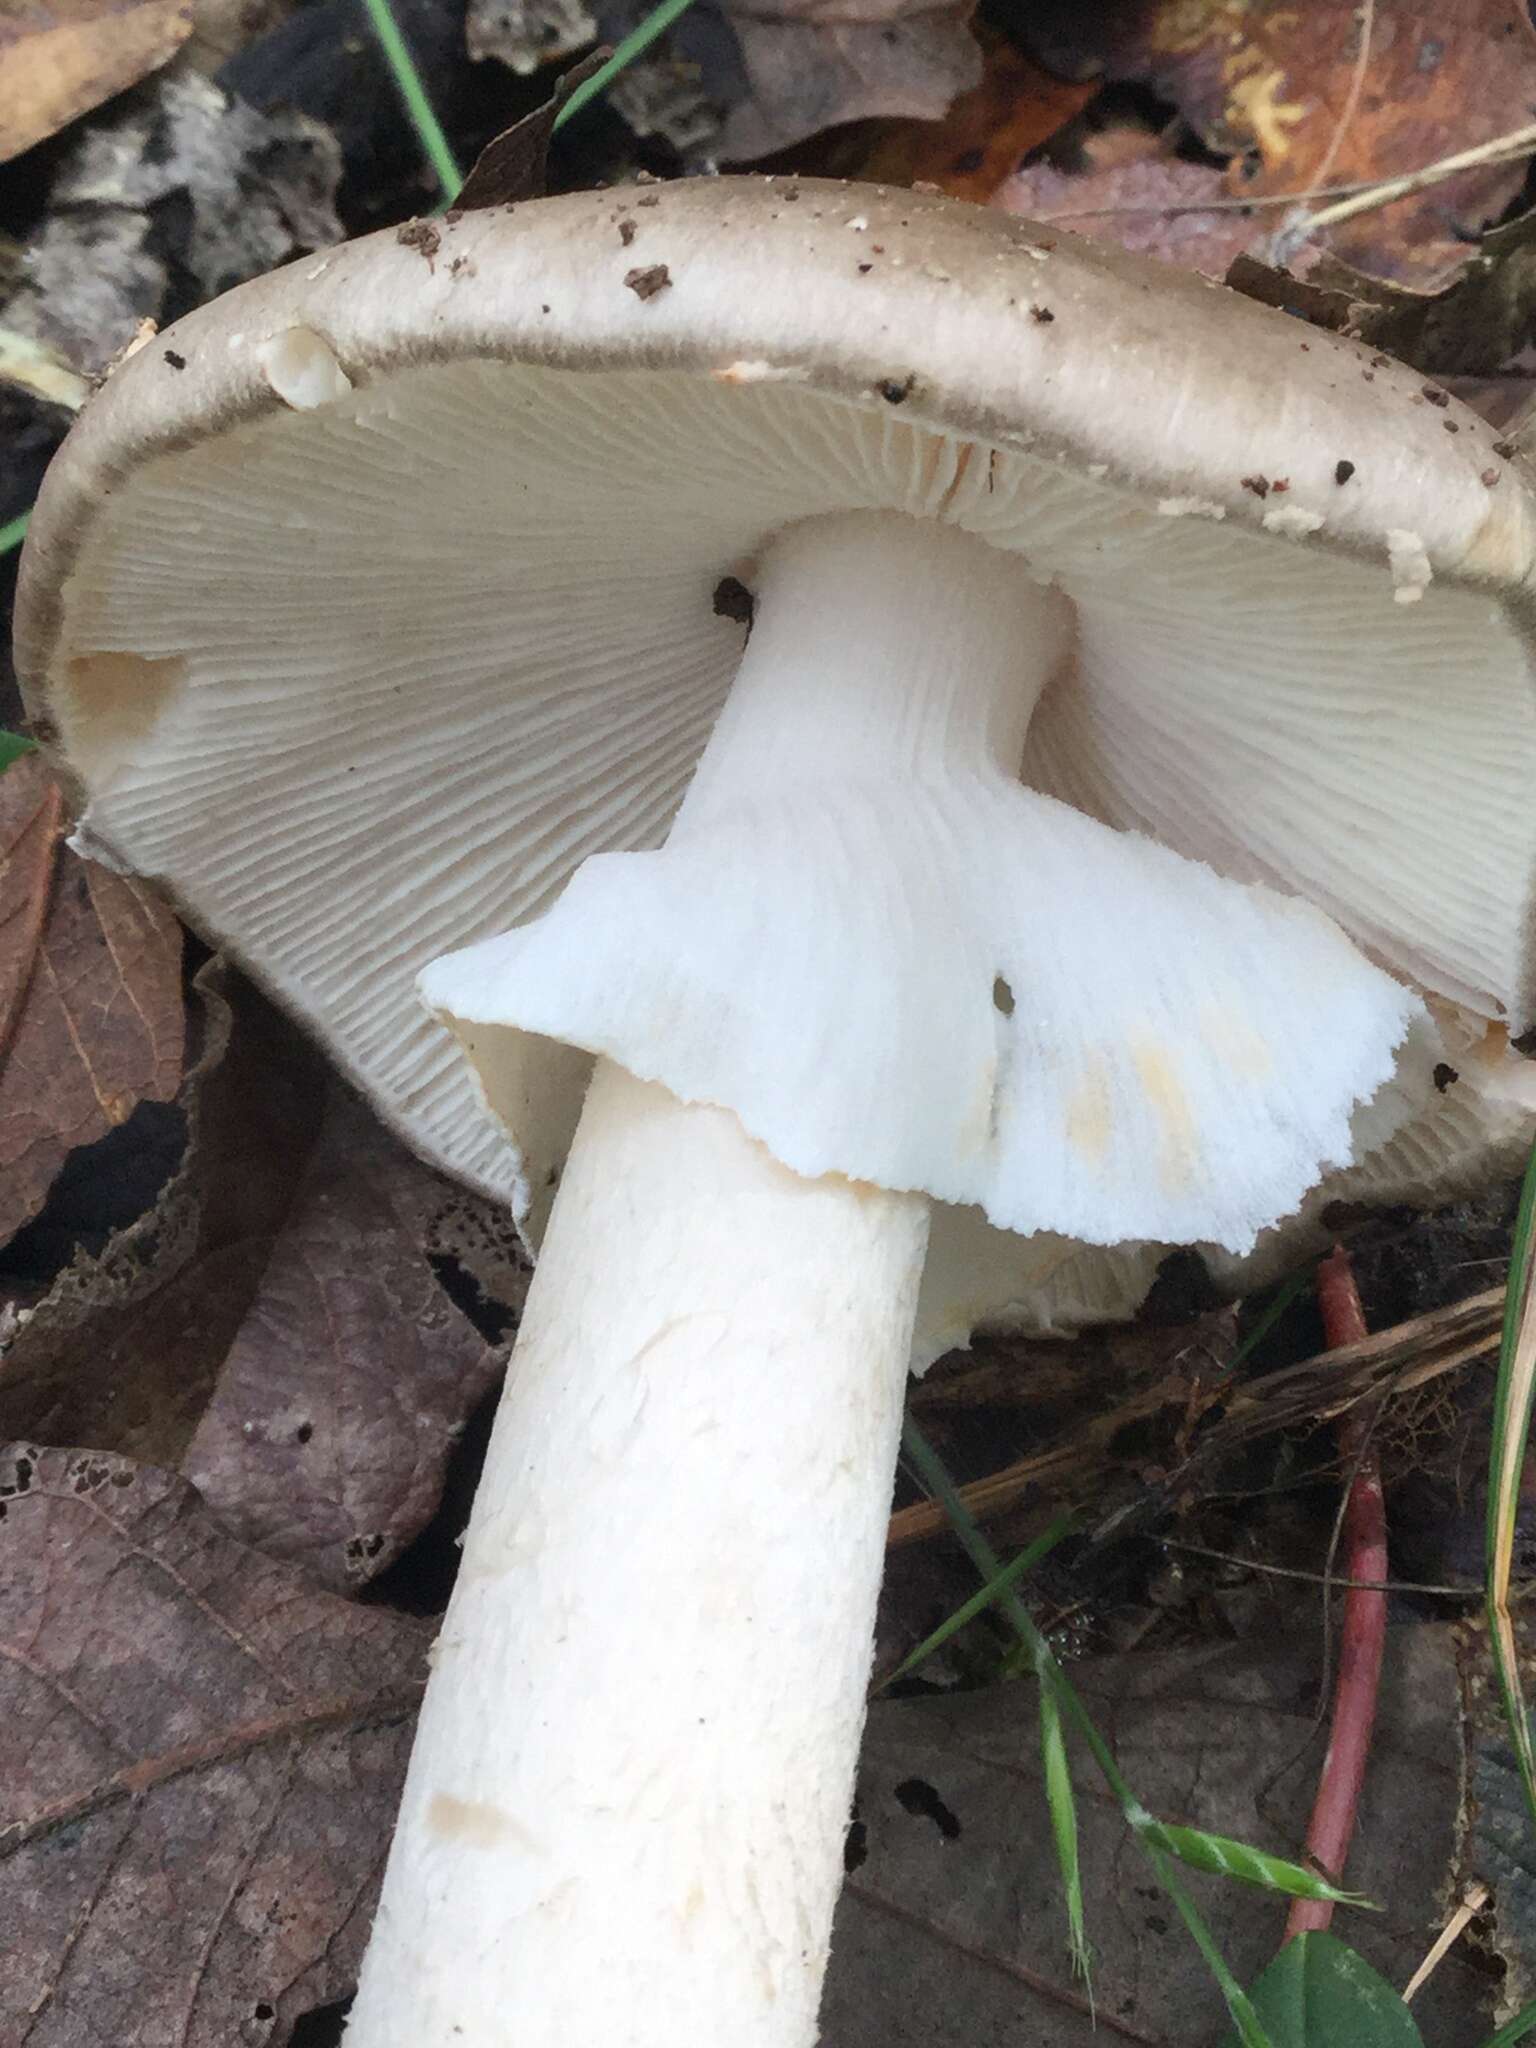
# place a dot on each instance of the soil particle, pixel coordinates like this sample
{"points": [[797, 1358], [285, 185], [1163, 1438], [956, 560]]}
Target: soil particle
{"points": [[647, 282], [733, 600], [420, 234]]}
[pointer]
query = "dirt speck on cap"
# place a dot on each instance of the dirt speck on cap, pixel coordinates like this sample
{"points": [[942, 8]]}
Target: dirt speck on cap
{"points": [[424, 235], [627, 232], [733, 600], [645, 283]]}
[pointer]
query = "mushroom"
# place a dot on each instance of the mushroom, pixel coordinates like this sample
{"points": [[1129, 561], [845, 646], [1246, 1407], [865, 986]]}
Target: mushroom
{"points": [[1457, 1116], [1064, 855]]}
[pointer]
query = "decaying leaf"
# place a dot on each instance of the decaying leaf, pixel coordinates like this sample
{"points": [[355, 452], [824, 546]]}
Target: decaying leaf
{"points": [[351, 1373], [60, 58], [524, 34], [202, 1757], [91, 1020], [1275, 88], [952, 1927], [274, 1327], [812, 64], [250, 189], [986, 133], [514, 165], [1128, 189], [751, 77], [1473, 327]]}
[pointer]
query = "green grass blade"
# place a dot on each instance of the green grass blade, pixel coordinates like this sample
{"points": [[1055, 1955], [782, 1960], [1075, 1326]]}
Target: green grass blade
{"points": [[12, 746], [1061, 1801], [635, 44], [1284, 1295], [429, 130], [1240, 2007], [997, 1585], [1223, 1857], [930, 1468], [1511, 1427], [1520, 2028], [13, 533]]}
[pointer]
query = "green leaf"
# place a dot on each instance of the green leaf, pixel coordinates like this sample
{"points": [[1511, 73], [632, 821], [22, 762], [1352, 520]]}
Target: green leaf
{"points": [[12, 746], [1318, 1993]]}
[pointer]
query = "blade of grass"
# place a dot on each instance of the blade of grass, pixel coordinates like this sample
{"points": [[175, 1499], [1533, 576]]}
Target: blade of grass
{"points": [[1160, 1842], [1288, 1291], [1520, 2028], [423, 116], [1000, 1583], [12, 746], [1197, 1847], [1061, 1799], [1061, 1803], [1511, 1428], [639, 40], [13, 533]]}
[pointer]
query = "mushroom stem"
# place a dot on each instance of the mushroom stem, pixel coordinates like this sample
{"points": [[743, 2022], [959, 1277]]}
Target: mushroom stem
{"points": [[626, 1806]]}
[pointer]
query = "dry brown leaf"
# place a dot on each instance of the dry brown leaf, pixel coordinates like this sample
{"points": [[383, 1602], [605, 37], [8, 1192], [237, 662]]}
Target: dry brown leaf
{"points": [[1275, 86], [202, 1757], [1130, 191], [60, 58], [814, 64], [986, 133], [351, 1374], [274, 1326], [91, 1016], [1475, 327]]}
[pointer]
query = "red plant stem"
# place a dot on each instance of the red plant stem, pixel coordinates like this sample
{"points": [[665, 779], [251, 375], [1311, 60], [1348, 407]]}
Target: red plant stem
{"points": [[1363, 1636]]}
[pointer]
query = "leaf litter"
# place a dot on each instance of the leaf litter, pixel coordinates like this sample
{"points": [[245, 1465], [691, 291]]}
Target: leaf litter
{"points": [[91, 1015], [274, 1326], [203, 1752]]}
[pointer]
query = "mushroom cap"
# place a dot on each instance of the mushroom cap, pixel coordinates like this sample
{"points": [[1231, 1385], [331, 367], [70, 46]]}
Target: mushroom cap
{"points": [[325, 583], [1458, 1114]]}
